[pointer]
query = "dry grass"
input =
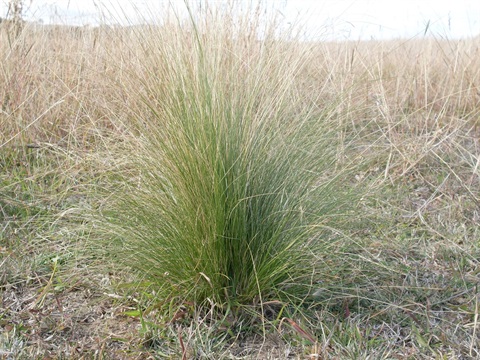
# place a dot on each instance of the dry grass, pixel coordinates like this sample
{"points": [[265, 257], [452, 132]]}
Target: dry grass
{"points": [[408, 287]]}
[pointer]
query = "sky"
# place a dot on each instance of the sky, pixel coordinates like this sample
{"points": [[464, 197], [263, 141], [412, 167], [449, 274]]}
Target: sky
{"points": [[324, 19]]}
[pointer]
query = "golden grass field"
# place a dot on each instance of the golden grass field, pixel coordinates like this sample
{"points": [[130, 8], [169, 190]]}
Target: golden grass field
{"points": [[408, 288]]}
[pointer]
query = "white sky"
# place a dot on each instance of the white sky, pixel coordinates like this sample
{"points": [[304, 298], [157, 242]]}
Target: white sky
{"points": [[330, 19]]}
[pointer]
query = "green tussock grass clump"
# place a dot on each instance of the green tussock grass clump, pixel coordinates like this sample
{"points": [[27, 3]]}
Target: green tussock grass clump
{"points": [[233, 184]]}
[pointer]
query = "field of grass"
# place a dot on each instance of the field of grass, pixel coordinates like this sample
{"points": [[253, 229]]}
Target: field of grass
{"points": [[217, 189]]}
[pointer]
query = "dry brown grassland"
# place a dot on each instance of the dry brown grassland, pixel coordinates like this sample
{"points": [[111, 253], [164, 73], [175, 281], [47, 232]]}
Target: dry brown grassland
{"points": [[412, 291]]}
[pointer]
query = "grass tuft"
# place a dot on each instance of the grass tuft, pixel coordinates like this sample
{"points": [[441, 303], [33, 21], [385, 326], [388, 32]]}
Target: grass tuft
{"points": [[237, 188]]}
